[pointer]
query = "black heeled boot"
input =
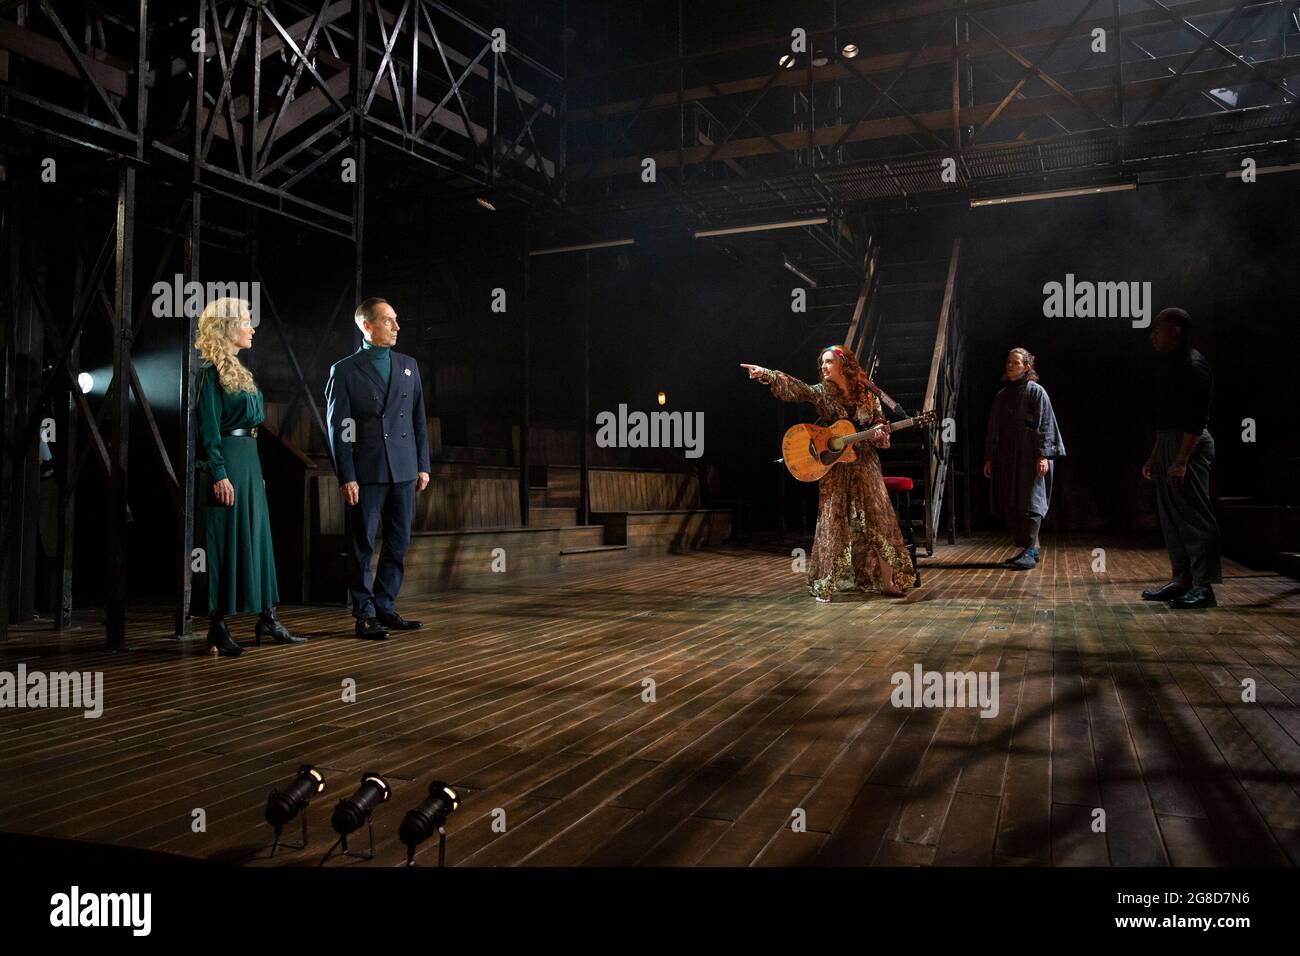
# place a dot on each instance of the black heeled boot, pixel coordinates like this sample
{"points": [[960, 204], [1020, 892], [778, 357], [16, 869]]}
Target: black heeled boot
{"points": [[268, 625], [219, 639]]}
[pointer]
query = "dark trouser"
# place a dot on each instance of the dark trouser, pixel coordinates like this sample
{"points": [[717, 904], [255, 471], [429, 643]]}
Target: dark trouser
{"points": [[393, 505], [1187, 514], [1024, 529]]}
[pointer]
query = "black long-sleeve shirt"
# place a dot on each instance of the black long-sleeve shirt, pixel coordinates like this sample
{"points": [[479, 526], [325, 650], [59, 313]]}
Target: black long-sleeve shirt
{"points": [[1184, 391]]}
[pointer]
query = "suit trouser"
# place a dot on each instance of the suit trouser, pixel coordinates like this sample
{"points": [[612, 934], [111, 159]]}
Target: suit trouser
{"points": [[1187, 514], [393, 507]]}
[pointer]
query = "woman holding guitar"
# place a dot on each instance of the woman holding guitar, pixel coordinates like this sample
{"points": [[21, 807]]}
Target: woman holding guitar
{"points": [[858, 543]]}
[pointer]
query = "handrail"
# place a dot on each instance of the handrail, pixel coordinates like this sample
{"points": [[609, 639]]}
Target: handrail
{"points": [[941, 338], [941, 395]]}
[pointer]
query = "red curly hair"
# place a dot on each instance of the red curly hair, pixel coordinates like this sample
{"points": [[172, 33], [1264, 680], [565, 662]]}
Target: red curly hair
{"points": [[855, 377]]}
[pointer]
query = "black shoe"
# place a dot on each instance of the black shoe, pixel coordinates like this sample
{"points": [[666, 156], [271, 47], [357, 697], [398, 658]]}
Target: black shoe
{"points": [[267, 625], [1169, 592], [1015, 557], [368, 629], [1194, 598], [220, 640], [1027, 560], [395, 622]]}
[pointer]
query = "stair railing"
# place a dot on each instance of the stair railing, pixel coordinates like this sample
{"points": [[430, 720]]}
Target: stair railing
{"points": [[941, 391]]}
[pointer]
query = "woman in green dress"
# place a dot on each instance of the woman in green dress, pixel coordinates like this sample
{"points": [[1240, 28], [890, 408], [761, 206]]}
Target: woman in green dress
{"points": [[235, 525]]}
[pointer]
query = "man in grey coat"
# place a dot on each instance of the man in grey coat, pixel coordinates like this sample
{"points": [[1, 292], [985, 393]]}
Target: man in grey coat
{"points": [[1022, 444]]}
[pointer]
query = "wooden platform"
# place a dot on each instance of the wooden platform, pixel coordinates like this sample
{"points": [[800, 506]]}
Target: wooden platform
{"points": [[529, 699]]}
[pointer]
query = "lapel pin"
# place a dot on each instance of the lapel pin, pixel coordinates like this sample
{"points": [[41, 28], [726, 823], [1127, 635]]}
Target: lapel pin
{"points": [[407, 371]]}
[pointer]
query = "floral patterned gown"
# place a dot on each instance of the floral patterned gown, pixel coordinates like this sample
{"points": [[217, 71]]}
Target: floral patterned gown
{"points": [[856, 524]]}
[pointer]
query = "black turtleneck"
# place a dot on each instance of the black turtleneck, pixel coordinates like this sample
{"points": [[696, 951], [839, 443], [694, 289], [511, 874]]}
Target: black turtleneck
{"points": [[1184, 391]]}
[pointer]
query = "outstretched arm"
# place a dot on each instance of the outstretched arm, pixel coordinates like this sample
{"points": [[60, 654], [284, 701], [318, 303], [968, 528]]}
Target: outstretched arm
{"points": [[785, 387]]}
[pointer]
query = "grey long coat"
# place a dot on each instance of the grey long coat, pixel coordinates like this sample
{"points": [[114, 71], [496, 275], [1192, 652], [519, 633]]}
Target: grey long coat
{"points": [[1022, 429]]}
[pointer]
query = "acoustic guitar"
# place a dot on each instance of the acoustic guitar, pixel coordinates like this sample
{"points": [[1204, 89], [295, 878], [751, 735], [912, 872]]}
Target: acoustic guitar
{"points": [[812, 450]]}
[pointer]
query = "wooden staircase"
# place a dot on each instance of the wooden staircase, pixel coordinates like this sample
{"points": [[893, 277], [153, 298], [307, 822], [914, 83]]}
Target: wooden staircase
{"points": [[909, 339]]}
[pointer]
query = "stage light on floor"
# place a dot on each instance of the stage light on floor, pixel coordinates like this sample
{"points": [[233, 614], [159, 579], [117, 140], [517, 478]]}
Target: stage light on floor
{"points": [[85, 382], [283, 805], [351, 813], [850, 51], [423, 821]]}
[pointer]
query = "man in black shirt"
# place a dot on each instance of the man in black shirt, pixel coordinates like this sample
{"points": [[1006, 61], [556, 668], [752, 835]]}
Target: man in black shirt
{"points": [[1180, 465]]}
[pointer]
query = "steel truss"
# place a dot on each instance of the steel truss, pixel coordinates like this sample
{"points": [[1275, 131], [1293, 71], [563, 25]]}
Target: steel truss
{"points": [[270, 104], [1014, 112]]}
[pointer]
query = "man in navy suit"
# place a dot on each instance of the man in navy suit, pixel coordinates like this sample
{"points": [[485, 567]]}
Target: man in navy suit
{"points": [[380, 445]]}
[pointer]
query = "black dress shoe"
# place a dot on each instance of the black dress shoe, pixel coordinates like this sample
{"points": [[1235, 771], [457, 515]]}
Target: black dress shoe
{"points": [[395, 622], [219, 639], [1194, 598], [1174, 589], [1015, 557], [368, 629], [269, 626]]}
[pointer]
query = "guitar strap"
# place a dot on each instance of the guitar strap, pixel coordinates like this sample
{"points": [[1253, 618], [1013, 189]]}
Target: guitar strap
{"points": [[881, 394]]}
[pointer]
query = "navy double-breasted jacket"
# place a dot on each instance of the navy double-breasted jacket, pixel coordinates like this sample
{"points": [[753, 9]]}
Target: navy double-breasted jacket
{"points": [[389, 436]]}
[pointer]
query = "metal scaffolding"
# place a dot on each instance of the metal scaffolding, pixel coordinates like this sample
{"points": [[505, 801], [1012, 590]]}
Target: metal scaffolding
{"points": [[269, 105]]}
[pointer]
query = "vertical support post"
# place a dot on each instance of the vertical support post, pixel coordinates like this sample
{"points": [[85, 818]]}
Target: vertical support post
{"points": [[185, 455], [68, 449], [584, 478], [968, 477], [22, 384], [956, 84], [526, 375], [120, 407], [359, 220], [1118, 41], [492, 159]]}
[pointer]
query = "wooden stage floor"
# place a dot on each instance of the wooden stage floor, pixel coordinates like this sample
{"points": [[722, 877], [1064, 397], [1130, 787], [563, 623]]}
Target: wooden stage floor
{"points": [[528, 697]]}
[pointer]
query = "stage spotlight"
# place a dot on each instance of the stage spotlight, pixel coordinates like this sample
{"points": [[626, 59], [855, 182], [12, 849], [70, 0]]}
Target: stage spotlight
{"points": [[850, 51], [85, 382], [787, 61], [283, 805], [663, 399], [485, 203], [423, 821], [820, 58], [354, 811]]}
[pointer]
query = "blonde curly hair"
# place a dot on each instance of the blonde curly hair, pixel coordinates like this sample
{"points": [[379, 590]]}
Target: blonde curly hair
{"points": [[220, 320]]}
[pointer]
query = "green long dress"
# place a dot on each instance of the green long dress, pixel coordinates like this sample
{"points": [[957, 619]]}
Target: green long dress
{"points": [[240, 556]]}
